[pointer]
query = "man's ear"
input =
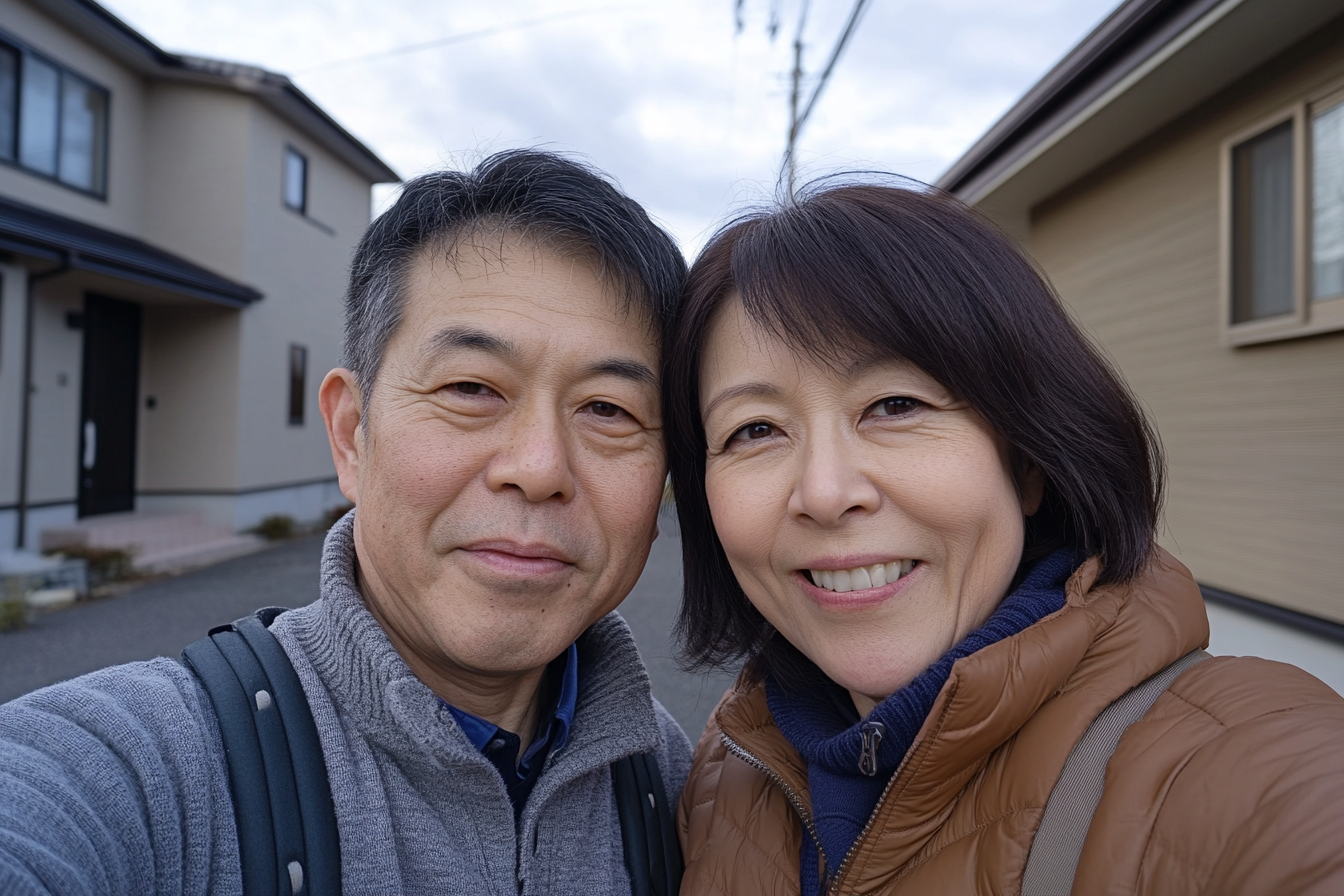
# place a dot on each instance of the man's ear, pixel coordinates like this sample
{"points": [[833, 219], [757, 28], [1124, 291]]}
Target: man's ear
{"points": [[339, 399], [1033, 490]]}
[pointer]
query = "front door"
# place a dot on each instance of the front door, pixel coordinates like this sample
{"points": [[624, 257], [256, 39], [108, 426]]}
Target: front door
{"points": [[108, 407]]}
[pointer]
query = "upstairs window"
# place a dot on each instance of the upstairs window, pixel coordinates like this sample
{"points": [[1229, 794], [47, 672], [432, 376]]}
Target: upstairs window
{"points": [[53, 122], [1285, 224], [296, 180]]}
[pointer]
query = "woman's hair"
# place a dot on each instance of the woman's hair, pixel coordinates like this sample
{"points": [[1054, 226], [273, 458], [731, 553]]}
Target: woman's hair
{"points": [[873, 272]]}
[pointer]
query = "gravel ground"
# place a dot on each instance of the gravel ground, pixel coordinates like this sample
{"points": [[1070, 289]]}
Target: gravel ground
{"points": [[160, 617]]}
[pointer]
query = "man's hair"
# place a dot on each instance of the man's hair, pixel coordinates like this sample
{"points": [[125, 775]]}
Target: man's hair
{"points": [[540, 196], [877, 273]]}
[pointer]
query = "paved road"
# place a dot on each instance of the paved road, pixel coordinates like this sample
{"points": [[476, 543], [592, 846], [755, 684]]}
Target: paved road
{"points": [[158, 618]]}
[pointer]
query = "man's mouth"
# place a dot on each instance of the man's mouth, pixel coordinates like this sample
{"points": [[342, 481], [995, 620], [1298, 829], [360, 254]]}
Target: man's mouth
{"points": [[860, 578]]}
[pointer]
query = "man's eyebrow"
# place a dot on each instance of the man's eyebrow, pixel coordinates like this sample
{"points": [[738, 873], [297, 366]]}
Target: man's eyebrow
{"points": [[745, 390], [451, 338], [625, 369]]}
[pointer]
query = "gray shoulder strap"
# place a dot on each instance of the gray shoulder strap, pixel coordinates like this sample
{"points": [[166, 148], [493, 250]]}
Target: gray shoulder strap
{"points": [[1053, 859]]}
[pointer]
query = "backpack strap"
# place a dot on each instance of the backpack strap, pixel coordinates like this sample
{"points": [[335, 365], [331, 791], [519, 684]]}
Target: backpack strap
{"points": [[648, 834], [1053, 860], [287, 839]]}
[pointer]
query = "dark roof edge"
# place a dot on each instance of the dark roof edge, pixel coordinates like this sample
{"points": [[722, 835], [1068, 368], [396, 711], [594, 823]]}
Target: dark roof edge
{"points": [[277, 90], [40, 233], [1133, 33]]}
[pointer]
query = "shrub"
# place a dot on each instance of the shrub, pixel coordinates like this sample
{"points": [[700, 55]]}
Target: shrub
{"points": [[334, 514], [104, 564], [13, 613], [275, 527]]}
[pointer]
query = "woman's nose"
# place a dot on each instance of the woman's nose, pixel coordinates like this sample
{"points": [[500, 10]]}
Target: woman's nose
{"points": [[535, 460], [830, 484]]}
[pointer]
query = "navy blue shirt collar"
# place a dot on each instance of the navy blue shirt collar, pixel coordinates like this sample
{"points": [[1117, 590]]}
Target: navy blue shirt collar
{"points": [[501, 747]]}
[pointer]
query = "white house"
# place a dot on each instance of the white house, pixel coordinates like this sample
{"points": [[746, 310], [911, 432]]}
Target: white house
{"points": [[174, 241]]}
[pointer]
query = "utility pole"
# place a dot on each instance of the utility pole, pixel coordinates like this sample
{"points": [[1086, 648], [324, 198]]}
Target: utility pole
{"points": [[797, 119]]}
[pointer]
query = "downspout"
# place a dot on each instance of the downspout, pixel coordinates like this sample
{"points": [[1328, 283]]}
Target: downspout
{"points": [[25, 417]]}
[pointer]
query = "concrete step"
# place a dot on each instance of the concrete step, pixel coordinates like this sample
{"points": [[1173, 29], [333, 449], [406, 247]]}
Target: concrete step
{"points": [[156, 542]]}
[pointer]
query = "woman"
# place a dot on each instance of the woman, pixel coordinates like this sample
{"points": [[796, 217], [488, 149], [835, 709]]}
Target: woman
{"points": [[922, 509]]}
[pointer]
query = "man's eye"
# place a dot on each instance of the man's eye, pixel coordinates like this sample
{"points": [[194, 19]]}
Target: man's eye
{"points": [[606, 409], [894, 406], [752, 431], [470, 389]]}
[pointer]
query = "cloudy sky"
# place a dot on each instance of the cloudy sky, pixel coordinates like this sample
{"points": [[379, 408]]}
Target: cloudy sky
{"points": [[687, 112]]}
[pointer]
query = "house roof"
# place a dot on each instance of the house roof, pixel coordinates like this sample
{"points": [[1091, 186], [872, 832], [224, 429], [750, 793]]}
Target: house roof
{"points": [[31, 231], [1147, 63], [272, 89]]}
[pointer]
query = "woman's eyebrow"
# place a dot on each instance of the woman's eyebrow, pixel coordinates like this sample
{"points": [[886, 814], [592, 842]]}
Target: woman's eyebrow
{"points": [[743, 390]]}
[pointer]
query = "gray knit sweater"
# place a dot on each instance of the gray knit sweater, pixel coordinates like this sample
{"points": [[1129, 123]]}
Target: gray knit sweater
{"points": [[115, 783]]}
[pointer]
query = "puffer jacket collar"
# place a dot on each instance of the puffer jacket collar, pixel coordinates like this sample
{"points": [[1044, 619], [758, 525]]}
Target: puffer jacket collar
{"points": [[1078, 660]]}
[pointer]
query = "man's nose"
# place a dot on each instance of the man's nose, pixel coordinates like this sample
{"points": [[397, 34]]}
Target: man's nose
{"points": [[535, 461], [830, 483]]}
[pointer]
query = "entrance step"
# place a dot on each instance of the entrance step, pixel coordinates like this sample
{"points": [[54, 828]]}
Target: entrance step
{"points": [[156, 542]]}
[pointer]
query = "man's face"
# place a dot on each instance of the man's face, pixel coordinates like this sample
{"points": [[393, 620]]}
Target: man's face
{"points": [[510, 462]]}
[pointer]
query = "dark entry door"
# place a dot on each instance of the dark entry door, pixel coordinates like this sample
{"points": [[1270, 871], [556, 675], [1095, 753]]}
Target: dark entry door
{"points": [[108, 406]]}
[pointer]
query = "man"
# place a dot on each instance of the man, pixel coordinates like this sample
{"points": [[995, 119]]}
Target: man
{"points": [[498, 430]]}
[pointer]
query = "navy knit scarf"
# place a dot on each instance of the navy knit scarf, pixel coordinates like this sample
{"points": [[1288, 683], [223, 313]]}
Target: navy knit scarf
{"points": [[823, 726]]}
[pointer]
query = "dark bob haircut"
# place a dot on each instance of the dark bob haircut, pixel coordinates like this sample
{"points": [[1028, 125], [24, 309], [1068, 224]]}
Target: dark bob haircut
{"points": [[553, 200], [877, 272]]}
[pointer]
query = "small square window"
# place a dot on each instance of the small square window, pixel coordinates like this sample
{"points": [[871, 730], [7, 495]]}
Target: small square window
{"points": [[296, 180], [298, 379]]}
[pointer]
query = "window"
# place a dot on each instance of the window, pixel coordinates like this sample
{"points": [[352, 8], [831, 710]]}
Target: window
{"points": [[1285, 224], [298, 376], [52, 121], [296, 180]]}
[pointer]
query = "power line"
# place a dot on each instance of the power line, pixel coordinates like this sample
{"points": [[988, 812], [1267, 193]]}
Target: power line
{"points": [[459, 38]]}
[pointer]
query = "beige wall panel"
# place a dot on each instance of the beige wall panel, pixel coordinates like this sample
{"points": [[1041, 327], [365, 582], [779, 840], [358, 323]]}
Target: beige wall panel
{"points": [[121, 210], [196, 147], [300, 262], [1254, 436], [189, 364]]}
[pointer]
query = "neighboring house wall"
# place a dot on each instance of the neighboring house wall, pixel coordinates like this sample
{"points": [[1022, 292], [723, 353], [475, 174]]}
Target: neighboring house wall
{"points": [[1254, 435]]}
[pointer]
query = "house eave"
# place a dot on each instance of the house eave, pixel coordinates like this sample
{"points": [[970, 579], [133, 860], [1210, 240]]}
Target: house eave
{"points": [[36, 233], [103, 29], [1093, 106]]}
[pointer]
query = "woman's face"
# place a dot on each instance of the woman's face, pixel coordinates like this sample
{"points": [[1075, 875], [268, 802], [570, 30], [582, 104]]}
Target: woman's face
{"points": [[868, 514]]}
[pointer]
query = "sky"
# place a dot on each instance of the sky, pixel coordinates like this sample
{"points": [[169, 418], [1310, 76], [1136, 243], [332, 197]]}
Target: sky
{"points": [[685, 110]]}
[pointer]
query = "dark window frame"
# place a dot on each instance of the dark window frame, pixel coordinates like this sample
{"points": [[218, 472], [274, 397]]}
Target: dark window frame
{"points": [[22, 49], [298, 382], [302, 207]]}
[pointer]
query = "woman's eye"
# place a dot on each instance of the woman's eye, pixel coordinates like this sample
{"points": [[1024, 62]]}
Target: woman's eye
{"points": [[752, 431], [894, 406]]}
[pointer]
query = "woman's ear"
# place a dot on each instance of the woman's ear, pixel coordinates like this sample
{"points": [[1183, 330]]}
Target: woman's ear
{"points": [[1032, 490]]}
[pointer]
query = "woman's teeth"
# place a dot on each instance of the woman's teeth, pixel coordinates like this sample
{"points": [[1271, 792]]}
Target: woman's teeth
{"points": [[861, 577]]}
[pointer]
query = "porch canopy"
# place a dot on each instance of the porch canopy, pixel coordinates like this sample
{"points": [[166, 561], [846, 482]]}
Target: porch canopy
{"points": [[35, 233]]}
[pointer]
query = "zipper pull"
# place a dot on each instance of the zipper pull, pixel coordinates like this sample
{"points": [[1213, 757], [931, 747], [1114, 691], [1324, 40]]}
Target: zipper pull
{"points": [[872, 734]]}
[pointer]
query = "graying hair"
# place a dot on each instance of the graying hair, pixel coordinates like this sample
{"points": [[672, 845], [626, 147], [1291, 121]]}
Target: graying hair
{"points": [[542, 196]]}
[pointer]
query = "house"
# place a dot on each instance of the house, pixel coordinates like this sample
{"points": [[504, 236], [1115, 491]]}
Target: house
{"points": [[1179, 176], [174, 240]]}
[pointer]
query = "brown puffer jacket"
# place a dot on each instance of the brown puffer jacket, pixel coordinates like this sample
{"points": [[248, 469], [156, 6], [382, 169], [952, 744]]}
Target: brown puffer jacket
{"points": [[1233, 783]]}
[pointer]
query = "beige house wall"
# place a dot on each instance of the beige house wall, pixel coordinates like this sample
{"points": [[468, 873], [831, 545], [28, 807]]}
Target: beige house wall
{"points": [[1254, 435], [122, 209], [300, 261]]}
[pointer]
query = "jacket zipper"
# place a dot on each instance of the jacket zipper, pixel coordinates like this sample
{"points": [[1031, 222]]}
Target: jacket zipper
{"points": [[789, 793]]}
